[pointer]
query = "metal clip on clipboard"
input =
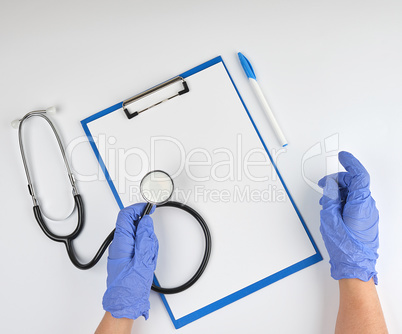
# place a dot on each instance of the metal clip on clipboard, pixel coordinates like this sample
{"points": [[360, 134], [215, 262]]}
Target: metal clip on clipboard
{"points": [[157, 89]]}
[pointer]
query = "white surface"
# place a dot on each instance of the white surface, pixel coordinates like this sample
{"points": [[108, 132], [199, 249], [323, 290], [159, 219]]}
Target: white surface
{"points": [[331, 71], [211, 120]]}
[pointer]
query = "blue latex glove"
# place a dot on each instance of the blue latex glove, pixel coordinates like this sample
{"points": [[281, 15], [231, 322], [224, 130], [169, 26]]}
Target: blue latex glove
{"points": [[349, 221], [131, 264]]}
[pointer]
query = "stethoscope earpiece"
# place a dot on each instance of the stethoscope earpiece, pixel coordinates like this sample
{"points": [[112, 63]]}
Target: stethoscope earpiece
{"points": [[15, 123], [51, 110]]}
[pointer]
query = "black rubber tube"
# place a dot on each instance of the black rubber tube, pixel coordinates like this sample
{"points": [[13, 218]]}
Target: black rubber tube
{"points": [[68, 242], [207, 252], [58, 238], [95, 259], [68, 239]]}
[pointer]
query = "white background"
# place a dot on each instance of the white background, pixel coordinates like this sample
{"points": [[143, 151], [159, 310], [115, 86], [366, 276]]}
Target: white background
{"points": [[328, 69]]}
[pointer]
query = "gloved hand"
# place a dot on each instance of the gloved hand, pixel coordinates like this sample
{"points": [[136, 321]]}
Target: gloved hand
{"points": [[349, 221], [131, 264]]}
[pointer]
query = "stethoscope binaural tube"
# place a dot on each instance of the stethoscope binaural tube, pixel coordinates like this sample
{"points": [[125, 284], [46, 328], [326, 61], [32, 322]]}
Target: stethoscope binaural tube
{"points": [[67, 239], [41, 113]]}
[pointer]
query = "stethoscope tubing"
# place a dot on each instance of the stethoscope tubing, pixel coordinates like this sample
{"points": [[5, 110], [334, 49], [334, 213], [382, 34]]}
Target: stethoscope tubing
{"points": [[207, 252], [68, 242], [66, 239]]}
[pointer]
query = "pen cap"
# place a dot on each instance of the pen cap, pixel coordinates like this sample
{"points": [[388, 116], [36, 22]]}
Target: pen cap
{"points": [[246, 66]]}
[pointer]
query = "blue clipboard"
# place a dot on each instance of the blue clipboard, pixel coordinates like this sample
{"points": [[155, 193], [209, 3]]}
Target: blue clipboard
{"points": [[203, 311]]}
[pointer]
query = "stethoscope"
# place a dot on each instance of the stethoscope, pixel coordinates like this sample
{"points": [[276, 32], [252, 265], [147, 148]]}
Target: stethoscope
{"points": [[156, 187]]}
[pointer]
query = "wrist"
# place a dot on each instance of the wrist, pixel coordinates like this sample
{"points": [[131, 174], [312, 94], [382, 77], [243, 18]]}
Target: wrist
{"points": [[110, 325], [359, 308]]}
